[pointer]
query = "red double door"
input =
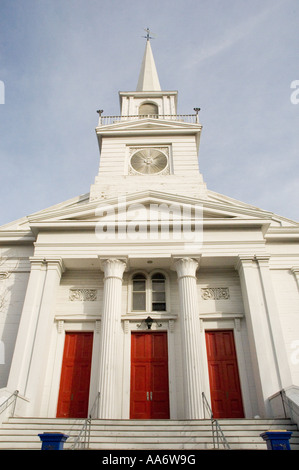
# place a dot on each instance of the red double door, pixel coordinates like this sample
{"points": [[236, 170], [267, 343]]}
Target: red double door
{"points": [[75, 376], [226, 398], [149, 376]]}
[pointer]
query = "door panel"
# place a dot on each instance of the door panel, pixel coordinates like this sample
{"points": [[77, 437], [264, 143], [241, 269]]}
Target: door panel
{"points": [[75, 376], [139, 383], [225, 386], [149, 376]]}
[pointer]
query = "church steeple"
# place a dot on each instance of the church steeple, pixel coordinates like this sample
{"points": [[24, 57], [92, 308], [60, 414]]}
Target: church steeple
{"points": [[149, 147], [148, 99], [148, 77]]}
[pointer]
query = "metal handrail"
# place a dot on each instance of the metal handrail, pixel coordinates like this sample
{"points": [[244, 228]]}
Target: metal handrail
{"points": [[106, 120], [11, 400], [217, 433], [292, 407], [83, 438]]}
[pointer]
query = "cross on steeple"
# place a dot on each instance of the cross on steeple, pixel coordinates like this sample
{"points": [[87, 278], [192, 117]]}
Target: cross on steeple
{"points": [[148, 37], [148, 77]]}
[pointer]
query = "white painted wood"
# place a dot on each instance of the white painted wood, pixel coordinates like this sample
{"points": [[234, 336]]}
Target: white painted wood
{"points": [[113, 269], [247, 279], [186, 269]]}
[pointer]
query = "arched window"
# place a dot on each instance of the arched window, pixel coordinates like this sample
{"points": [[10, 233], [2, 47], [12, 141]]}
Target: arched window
{"points": [[148, 109], [139, 292], [158, 292], [148, 292]]}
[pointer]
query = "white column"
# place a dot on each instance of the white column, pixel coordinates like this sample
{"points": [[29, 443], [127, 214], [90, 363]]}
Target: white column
{"points": [[25, 338], [42, 336], [283, 370], [190, 331], [259, 335], [110, 327]]}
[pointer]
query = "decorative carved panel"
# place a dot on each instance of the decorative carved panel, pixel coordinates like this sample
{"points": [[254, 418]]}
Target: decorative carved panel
{"points": [[83, 295], [215, 293]]}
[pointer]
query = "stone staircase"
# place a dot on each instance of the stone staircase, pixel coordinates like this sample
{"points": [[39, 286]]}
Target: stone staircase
{"points": [[22, 433]]}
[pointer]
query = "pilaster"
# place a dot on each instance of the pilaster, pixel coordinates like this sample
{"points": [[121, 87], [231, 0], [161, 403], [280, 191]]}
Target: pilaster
{"points": [[283, 370], [259, 334], [295, 271], [27, 327], [42, 334]]}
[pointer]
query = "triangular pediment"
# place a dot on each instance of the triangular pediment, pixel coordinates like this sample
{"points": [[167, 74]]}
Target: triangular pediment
{"points": [[160, 124], [216, 211], [92, 211]]}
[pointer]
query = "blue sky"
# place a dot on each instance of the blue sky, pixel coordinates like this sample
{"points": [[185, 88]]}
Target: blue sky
{"points": [[61, 60]]}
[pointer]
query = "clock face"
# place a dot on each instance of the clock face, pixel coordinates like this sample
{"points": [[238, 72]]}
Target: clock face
{"points": [[149, 161]]}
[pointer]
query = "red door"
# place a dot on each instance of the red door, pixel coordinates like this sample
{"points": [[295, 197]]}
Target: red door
{"points": [[226, 399], [75, 376], [149, 376]]}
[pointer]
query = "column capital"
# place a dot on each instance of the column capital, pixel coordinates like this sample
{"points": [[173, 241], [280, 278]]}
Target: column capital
{"points": [[113, 267], [186, 266]]}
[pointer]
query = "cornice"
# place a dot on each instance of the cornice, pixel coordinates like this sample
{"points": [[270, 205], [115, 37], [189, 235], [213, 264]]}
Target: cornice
{"points": [[115, 130], [17, 236], [77, 225], [283, 234], [145, 197]]}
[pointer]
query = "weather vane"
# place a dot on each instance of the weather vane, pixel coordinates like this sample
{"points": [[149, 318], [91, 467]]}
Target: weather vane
{"points": [[148, 37]]}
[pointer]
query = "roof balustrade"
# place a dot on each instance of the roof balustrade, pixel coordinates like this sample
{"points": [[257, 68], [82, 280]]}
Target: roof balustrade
{"points": [[108, 120]]}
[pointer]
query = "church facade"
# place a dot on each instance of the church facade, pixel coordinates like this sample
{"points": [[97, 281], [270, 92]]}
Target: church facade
{"points": [[151, 292]]}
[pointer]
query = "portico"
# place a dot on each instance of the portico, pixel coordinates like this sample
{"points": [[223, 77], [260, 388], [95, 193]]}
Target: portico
{"points": [[151, 290]]}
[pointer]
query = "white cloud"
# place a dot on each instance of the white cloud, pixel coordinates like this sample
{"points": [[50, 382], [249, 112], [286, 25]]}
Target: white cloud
{"points": [[229, 38]]}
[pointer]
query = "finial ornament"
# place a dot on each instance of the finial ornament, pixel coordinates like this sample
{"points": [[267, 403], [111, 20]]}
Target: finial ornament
{"points": [[148, 37]]}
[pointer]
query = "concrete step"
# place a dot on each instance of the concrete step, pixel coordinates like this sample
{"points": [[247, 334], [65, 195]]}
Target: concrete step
{"points": [[22, 433]]}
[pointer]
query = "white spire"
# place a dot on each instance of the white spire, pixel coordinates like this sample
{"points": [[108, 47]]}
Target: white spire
{"points": [[148, 77]]}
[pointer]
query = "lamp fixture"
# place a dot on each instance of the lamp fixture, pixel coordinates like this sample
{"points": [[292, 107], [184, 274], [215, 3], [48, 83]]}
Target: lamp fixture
{"points": [[149, 321]]}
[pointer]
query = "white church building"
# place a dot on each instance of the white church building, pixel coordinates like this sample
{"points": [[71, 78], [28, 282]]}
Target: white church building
{"points": [[151, 291]]}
